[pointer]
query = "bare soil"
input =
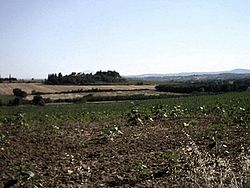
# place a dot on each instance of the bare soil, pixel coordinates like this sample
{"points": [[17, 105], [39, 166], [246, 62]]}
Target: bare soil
{"points": [[86, 155]]}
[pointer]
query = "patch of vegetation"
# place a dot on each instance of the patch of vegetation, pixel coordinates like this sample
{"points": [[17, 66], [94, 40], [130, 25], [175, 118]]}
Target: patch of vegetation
{"points": [[38, 100], [19, 93], [7, 79], [6, 98], [215, 87], [81, 78]]}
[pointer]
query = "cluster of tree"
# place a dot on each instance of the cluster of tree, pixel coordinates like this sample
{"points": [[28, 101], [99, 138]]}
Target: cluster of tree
{"points": [[20, 99], [213, 87], [82, 78], [7, 80], [243, 82], [19, 96], [37, 100]]}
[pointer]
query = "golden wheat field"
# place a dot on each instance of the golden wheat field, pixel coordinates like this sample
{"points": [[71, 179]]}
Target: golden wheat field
{"points": [[6, 88]]}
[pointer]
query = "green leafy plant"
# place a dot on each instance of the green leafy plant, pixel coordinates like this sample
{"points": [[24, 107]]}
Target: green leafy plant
{"points": [[135, 117], [112, 131], [4, 138], [177, 111], [142, 169], [216, 133], [18, 120], [159, 112]]}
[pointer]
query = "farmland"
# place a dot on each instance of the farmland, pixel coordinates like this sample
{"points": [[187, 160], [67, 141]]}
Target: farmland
{"points": [[6, 88], [193, 141], [62, 92]]}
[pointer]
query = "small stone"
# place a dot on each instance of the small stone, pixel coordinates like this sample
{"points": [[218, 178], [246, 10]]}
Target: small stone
{"points": [[85, 166], [189, 149], [119, 177]]}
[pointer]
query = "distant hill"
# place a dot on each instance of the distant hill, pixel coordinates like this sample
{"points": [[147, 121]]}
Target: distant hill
{"points": [[195, 76], [239, 71]]}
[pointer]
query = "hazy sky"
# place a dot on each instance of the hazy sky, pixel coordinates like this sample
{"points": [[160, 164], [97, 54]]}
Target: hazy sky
{"points": [[38, 37]]}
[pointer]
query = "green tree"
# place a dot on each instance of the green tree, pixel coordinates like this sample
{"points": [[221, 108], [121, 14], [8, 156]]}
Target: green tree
{"points": [[19, 93]]}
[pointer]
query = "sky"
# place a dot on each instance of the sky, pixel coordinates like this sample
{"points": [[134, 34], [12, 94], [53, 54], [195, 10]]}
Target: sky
{"points": [[38, 37]]}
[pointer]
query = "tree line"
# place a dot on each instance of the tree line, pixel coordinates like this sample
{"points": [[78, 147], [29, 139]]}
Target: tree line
{"points": [[82, 78], [213, 87], [7, 80]]}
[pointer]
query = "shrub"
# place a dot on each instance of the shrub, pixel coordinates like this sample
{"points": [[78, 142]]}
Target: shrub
{"points": [[15, 102], [38, 100]]}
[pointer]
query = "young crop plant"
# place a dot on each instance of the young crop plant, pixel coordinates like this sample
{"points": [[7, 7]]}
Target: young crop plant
{"points": [[216, 133], [239, 115], [18, 120], [159, 112], [232, 113], [82, 143], [142, 170], [203, 110], [4, 138], [177, 111], [112, 131], [172, 157], [187, 124], [135, 117]]}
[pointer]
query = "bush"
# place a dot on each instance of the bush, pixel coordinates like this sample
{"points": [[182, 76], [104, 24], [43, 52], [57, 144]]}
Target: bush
{"points": [[15, 102], [38, 100], [19, 93]]}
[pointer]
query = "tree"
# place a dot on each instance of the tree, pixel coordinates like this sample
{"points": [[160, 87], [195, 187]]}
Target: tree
{"points": [[19, 93], [81, 78]]}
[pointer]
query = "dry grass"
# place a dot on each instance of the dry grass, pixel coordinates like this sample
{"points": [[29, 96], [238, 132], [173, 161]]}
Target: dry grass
{"points": [[210, 170], [6, 88], [109, 93]]}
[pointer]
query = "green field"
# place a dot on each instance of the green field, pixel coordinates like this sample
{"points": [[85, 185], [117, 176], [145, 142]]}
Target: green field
{"points": [[191, 141], [75, 112]]}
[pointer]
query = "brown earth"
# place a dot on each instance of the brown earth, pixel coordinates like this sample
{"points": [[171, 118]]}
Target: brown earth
{"points": [[157, 154]]}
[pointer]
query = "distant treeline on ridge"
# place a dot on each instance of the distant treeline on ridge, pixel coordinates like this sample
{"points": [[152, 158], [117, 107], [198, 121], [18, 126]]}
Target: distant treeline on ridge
{"points": [[81, 78], [213, 87], [7, 79]]}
